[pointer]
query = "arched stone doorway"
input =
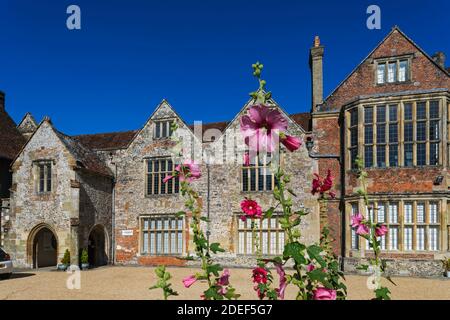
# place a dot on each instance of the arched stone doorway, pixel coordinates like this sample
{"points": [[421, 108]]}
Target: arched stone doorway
{"points": [[97, 247], [43, 246]]}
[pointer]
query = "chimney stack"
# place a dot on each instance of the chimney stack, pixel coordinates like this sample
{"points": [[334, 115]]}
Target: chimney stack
{"points": [[2, 100], [316, 65], [439, 58]]}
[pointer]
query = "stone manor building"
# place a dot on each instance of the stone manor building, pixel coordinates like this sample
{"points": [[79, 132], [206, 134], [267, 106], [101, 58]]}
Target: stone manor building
{"points": [[104, 192]]}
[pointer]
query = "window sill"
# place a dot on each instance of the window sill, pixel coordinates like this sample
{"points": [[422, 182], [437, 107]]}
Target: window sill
{"points": [[257, 191], [149, 255], [439, 166], [407, 82], [164, 195]]}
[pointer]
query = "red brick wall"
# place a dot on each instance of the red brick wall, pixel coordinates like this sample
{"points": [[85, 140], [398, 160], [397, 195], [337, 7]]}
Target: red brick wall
{"points": [[327, 130], [399, 180], [326, 137], [425, 74]]}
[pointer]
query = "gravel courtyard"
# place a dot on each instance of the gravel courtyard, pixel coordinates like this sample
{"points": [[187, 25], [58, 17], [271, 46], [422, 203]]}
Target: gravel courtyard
{"points": [[133, 283]]}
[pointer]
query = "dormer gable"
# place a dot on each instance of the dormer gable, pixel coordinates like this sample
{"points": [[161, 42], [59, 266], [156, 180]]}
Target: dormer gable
{"points": [[27, 126]]}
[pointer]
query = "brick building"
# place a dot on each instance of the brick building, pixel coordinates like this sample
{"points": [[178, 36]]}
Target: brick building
{"points": [[104, 192]]}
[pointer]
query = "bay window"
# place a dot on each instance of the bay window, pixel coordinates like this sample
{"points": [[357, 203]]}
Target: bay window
{"points": [[396, 134], [413, 225]]}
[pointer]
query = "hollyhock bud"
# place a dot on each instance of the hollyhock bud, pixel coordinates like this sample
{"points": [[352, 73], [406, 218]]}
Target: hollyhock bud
{"points": [[224, 279], [322, 293], [189, 281], [310, 267], [291, 143], [246, 159]]}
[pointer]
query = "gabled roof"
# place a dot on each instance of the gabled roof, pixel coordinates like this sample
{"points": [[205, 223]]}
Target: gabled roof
{"points": [[28, 124], [11, 140], [107, 141], [84, 157], [394, 29]]}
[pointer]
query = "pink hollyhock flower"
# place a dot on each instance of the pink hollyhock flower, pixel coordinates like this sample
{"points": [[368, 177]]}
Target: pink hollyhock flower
{"points": [[260, 275], [381, 230], [283, 281], [246, 159], [222, 291], [356, 220], [322, 293], [291, 143], [251, 209], [261, 126], [310, 267], [332, 194], [362, 230], [188, 171], [189, 281], [224, 279]]}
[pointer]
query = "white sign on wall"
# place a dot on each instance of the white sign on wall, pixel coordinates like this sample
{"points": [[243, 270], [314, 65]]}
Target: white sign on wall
{"points": [[127, 232]]}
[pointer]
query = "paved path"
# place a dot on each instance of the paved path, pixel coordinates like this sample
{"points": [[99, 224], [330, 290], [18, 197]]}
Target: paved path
{"points": [[133, 283]]}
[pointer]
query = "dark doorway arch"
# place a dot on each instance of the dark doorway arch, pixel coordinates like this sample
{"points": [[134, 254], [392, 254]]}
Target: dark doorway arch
{"points": [[97, 247], [44, 248]]}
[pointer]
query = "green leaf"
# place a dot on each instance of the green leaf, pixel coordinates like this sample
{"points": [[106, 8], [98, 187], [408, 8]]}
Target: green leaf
{"points": [[292, 192], [382, 294], [268, 214], [295, 250], [302, 212], [205, 219], [214, 269], [320, 276], [314, 253], [212, 293], [180, 214], [215, 247]]}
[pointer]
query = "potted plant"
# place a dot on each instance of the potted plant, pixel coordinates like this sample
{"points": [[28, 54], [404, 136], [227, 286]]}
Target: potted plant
{"points": [[65, 261], [446, 263], [84, 259]]}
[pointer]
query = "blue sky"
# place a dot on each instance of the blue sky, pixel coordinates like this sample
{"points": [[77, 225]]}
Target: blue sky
{"points": [[129, 55]]}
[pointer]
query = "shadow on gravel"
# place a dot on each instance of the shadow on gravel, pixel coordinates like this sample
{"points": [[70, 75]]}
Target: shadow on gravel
{"points": [[22, 275]]}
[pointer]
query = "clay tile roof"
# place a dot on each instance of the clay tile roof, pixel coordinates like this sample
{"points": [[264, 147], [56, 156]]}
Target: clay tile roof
{"points": [[221, 126], [106, 141], [86, 158], [303, 119], [11, 140]]}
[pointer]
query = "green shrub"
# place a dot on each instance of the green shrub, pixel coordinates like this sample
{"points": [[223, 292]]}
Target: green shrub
{"points": [[84, 256], [66, 259]]}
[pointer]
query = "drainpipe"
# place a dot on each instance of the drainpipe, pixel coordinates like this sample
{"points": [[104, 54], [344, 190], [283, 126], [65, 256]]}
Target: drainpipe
{"points": [[113, 213], [339, 157], [208, 200]]}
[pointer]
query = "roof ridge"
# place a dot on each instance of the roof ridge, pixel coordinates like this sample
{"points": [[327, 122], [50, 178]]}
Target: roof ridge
{"points": [[112, 132]]}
